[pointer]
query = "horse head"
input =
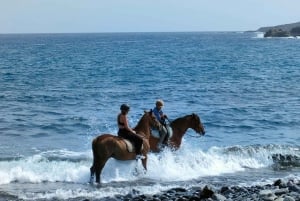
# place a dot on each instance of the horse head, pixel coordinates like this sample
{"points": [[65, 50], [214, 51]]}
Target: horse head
{"points": [[197, 125]]}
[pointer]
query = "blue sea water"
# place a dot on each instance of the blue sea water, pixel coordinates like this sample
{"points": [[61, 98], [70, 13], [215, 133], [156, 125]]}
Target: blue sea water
{"points": [[59, 91]]}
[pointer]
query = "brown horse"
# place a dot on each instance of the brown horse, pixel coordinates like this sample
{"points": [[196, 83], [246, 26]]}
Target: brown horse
{"points": [[106, 146], [179, 127]]}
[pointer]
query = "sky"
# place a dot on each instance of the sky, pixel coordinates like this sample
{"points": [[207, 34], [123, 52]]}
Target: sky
{"points": [[90, 16]]}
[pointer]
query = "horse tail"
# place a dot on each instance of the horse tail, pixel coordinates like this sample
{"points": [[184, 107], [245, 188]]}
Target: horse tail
{"points": [[92, 169], [94, 142]]}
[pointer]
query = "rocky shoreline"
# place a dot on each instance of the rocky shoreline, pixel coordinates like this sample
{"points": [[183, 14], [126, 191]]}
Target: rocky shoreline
{"points": [[280, 190]]}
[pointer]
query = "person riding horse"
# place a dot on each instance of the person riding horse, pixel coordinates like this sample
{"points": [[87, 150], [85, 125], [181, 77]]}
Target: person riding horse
{"points": [[126, 132], [161, 117], [106, 146]]}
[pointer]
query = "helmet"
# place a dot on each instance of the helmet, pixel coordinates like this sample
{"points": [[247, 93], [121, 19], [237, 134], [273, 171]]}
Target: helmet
{"points": [[160, 103], [124, 107]]}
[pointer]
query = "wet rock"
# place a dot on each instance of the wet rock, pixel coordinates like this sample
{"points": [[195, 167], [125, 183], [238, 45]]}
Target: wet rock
{"points": [[293, 187], [278, 182], [281, 191], [179, 189], [267, 195], [288, 198], [273, 192], [225, 189], [207, 192], [194, 198], [218, 197]]}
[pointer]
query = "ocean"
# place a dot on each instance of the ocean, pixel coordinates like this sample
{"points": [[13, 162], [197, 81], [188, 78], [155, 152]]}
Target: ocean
{"points": [[59, 91]]}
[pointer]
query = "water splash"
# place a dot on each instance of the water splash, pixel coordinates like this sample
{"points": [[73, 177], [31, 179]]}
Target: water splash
{"points": [[185, 164]]}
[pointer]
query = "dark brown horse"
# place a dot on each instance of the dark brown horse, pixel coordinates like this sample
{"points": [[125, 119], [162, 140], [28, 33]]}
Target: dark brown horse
{"points": [[179, 127], [108, 146]]}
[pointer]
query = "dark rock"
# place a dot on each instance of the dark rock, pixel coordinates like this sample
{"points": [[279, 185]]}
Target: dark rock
{"points": [[277, 182], [294, 188], [273, 192], [184, 198], [224, 189], [207, 192], [194, 198]]}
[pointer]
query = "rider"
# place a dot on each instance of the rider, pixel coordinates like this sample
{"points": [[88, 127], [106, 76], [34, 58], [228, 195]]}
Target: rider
{"points": [[161, 117], [126, 132]]}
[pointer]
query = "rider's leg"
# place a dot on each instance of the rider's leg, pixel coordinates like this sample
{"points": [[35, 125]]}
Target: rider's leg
{"points": [[163, 133], [138, 147], [138, 144]]}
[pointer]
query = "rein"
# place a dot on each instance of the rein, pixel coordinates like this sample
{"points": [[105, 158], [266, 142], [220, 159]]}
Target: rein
{"points": [[195, 136]]}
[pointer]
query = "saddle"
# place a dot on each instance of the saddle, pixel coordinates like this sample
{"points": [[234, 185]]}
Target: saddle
{"points": [[156, 134], [130, 145]]}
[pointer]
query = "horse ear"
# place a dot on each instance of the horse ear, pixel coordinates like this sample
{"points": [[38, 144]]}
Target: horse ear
{"points": [[150, 111], [195, 116]]}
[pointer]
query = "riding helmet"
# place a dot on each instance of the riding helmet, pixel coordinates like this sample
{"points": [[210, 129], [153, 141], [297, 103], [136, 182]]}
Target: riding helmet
{"points": [[124, 107]]}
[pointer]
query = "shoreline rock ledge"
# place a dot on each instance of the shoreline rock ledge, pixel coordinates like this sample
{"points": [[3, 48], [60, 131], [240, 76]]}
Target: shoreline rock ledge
{"points": [[280, 190], [285, 30]]}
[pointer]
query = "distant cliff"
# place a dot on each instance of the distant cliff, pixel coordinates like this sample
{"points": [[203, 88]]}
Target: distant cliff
{"points": [[284, 30]]}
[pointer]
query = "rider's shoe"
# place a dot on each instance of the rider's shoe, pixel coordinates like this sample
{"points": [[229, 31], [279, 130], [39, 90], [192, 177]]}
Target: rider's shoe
{"points": [[139, 157]]}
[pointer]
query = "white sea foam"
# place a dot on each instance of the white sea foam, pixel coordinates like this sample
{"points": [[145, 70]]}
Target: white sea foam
{"points": [[259, 35], [186, 164], [182, 165], [93, 193]]}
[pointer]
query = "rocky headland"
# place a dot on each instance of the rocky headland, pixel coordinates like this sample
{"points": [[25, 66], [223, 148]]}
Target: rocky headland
{"points": [[285, 30]]}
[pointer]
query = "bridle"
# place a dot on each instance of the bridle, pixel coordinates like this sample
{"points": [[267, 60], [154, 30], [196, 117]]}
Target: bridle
{"points": [[195, 124]]}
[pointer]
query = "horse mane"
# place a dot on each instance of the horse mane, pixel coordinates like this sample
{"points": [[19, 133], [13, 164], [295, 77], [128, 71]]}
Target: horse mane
{"points": [[142, 119], [182, 118]]}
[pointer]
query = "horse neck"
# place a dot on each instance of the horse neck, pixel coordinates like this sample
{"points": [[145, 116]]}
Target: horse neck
{"points": [[182, 124], [143, 128]]}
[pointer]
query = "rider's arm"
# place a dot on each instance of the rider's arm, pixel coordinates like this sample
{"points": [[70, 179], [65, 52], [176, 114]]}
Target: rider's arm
{"points": [[126, 124]]}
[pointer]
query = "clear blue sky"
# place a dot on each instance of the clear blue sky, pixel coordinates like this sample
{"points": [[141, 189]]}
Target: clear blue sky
{"points": [[60, 16]]}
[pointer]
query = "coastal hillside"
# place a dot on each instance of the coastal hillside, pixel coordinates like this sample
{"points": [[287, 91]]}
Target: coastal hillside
{"points": [[284, 27], [285, 30]]}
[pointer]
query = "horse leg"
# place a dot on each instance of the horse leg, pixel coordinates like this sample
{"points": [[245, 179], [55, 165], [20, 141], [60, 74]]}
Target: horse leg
{"points": [[100, 156], [98, 169], [95, 170], [144, 163], [92, 170]]}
